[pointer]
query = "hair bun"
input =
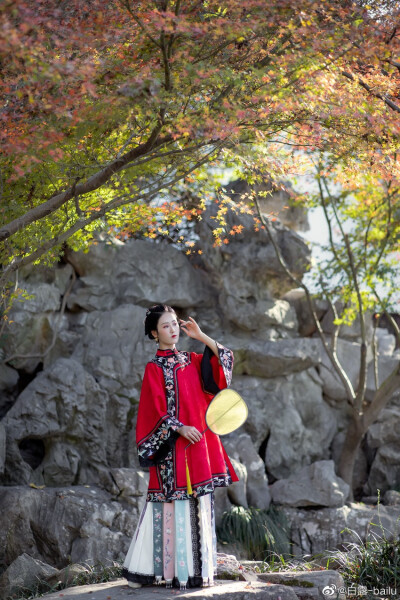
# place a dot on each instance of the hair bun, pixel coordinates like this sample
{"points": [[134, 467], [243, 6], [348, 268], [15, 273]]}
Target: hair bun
{"points": [[152, 317]]}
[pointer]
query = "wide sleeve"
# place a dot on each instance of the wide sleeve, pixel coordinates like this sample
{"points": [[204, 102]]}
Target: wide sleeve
{"points": [[216, 373], [156, 428]]}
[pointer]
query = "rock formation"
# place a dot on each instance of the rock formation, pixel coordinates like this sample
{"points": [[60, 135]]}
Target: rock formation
{"points": [[71, 488]]}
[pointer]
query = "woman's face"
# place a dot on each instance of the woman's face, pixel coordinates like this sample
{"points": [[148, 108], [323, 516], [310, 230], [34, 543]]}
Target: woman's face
{"points": [[167, 331]]}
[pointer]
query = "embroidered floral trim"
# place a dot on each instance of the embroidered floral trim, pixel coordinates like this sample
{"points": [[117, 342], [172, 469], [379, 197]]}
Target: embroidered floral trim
{"points": [[157, 445], [155, 448], [226, 360], [158, 449], [200, 490]]}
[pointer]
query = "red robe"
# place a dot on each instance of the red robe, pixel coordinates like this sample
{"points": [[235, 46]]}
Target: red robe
{"points": [[177, 389]]}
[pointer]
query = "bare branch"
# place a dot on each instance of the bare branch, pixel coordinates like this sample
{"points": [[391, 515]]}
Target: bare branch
{"points": [[362, 384], [332, 355]]}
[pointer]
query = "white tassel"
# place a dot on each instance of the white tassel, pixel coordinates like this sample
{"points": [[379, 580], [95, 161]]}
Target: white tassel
{"points": [[168, 583], [158, 579], [182, 585]]}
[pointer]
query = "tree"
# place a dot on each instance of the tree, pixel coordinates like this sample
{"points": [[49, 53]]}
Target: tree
{"points": [[106, 106], [356, 275]]}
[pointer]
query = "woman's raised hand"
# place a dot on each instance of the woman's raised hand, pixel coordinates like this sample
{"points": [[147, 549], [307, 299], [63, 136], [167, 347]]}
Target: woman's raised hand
{"points": [[191, 328], [192, 434]]}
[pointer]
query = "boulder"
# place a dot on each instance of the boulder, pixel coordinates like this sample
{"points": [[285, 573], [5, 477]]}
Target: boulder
{"points": [[391, 498], [383, 444], [349, 357], [386, 342], [313, 531], [127, 486], [289, 421], [274, 358], [136, 272], [258, 314], [241, 448], [273, 200], [237, 491], [23, 573], [63, 414], [386, 365], [81, 524], [298, 300], [58, 275], [349, 332], [309, 584], [221, 590], [2, 447], [8, 377], [385, 470], [32, 323], [314, 485], [247, 272]]}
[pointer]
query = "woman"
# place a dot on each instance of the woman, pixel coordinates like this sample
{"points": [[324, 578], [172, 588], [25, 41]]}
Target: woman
{"points": [[175, 539]]}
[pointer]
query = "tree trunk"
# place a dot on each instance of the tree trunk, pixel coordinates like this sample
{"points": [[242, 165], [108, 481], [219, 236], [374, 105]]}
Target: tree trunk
{"points": [[354, 435]]}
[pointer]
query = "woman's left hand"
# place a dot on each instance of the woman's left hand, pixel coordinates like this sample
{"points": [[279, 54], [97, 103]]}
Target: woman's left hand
{"points": [[191, 328]]}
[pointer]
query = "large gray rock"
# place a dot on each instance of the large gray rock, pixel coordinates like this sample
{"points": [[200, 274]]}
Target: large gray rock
{"points": [[33, 319], [259, 314], [8, 377], [247, 272], [386, 365], [137, 272], [2, 447], [385, 470], [237, 491], [241, 448], [298, 300], [384, 448], [350, 332], [8, 386], [288, 419], [313, 531], [272, 200], [314, 485], [58, 276], [65, 410], [386, 342], [274, 358], [57, 525], [349, 357], [128, 486], [309, 584], [24, 572]]}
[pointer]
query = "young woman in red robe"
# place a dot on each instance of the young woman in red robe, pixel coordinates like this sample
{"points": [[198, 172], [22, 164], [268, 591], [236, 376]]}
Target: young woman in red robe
{"points": [[175, 539]]}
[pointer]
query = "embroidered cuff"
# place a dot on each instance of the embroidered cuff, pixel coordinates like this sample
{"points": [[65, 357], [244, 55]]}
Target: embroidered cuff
{"points": [[156, 447]]}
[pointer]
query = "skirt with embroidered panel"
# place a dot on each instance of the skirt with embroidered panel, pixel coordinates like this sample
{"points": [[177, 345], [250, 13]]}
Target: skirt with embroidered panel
{"points": [[174, 543]]}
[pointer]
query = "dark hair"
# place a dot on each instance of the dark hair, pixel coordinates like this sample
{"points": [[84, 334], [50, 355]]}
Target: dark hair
{"points": [[153, 315]]}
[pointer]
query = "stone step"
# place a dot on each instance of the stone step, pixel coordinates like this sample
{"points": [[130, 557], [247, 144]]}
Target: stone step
{"points": [[222, 590], [318, 585]]}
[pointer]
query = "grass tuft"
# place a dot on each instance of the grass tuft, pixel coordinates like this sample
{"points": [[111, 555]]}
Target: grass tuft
{"points": [[260, 533]]}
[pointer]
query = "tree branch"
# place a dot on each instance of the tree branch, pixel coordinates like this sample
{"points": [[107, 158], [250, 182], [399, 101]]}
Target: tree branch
{"points": [[92, 183], [362, 83], [114, 204], [332, 355]]}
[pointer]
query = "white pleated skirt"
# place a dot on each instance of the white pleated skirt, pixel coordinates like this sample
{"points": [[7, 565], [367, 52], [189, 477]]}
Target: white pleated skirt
{"points": [[175, 544]]}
